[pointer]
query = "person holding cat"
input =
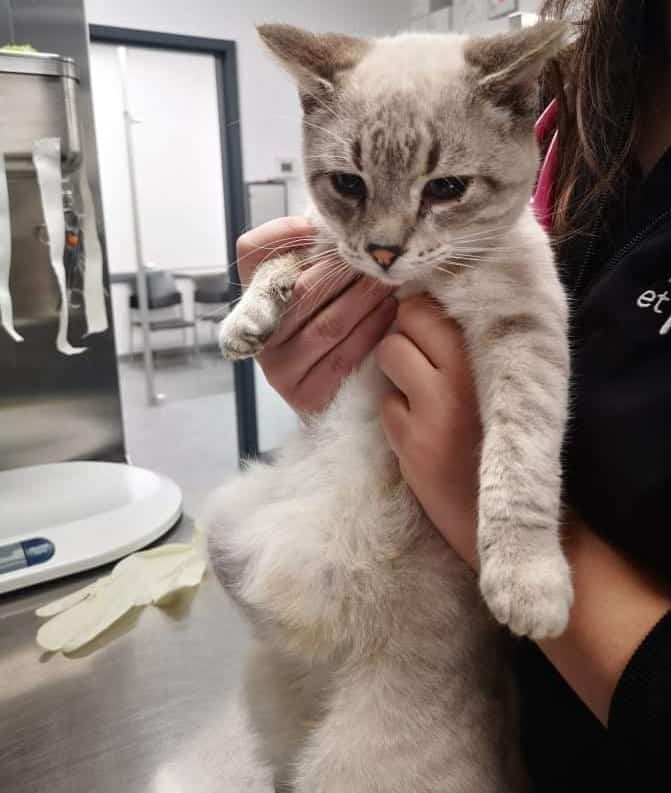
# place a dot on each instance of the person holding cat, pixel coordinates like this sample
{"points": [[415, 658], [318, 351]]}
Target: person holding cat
{"points": [[596, 701]]}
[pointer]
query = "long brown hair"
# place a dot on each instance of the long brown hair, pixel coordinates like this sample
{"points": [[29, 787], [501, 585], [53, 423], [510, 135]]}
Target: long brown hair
{"points": [[598, 82]]}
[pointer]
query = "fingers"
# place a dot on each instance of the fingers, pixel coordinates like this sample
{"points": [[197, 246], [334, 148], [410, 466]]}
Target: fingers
{"points": [[424, 322], [426, 362], [314, 289], [319, 383], [407, 367], [331, 326], [272, 238], [395, 415]]}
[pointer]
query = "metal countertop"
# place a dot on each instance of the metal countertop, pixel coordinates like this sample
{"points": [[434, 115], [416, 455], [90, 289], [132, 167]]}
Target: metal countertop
{"points": [[150, 707]]}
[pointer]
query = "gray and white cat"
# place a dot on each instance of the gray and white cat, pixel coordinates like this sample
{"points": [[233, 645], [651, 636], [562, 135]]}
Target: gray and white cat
{"points": [[377, 668]]}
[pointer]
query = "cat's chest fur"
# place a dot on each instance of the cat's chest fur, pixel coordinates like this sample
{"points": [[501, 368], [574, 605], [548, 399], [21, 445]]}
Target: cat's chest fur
{"points": [[367, 622]]}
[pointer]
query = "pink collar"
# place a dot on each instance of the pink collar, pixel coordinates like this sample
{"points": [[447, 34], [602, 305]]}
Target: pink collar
{"points": [[543, 198]]}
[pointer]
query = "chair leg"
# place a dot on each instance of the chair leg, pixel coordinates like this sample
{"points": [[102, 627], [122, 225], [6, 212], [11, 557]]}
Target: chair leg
{"points": [[221, 315], [151, 350], [184, 336], [196, 345], [131, 329]]}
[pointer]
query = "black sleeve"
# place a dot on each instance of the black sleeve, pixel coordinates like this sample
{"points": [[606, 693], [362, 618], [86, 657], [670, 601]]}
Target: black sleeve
{"points": [[639, 724]]}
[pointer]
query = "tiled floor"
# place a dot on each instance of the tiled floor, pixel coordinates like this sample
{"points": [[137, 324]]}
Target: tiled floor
{"points": [[191, 435]]}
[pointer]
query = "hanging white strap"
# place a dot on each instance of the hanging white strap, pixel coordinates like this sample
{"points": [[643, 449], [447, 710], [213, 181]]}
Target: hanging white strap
{"points": [[94, 291], [47, 161], [6, 310]]}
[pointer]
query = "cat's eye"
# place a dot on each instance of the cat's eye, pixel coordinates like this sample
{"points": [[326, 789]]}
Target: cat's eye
{"points": [[447, 188], [349, 185]]}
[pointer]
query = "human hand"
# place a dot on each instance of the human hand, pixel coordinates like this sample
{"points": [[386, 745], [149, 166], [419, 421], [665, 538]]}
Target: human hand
{"points": [[330, 326], [431, 419]]}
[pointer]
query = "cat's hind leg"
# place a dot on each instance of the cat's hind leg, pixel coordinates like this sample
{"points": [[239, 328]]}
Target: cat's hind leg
{"points": [[396, 728], [285, 699]]}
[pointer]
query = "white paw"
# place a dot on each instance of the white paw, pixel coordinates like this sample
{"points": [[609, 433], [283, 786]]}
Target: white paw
{"points": [[243, 335], [532, 597]]}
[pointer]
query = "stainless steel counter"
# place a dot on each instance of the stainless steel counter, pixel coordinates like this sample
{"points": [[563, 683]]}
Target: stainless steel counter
{"points": [[152, 707]]}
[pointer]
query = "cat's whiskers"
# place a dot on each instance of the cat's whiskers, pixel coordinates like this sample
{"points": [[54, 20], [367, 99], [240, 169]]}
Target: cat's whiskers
{"points": [[331, 282], [222, 311], [345, 142], [330, 265], [486, 243], [490, 246], [319, 288], [496, 232], [483, 253], [285, 245], [323, 104], [477, 233], [288, 244], [479, 229], [325, 260], [455, 263], [323, 279], [444, 271], [333, 161], [452, 259], [491, 238], [316, 258], [462, 255], [326, 157]]}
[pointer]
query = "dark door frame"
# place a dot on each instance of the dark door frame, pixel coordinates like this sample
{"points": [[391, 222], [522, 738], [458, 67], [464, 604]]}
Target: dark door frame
{"points": [[226, 69]]}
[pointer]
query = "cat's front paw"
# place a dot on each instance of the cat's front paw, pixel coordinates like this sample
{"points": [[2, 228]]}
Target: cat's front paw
{"points": [[244, 340], [243, 334], [532, 597], [245, 331]]}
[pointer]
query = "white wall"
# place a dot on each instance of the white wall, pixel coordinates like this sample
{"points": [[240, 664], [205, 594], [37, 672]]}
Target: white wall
{"points": [[482, 26], [269, 108], [465, 16]]}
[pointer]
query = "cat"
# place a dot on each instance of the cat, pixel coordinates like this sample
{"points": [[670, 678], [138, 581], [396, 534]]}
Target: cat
{"points": [[377, 667]]}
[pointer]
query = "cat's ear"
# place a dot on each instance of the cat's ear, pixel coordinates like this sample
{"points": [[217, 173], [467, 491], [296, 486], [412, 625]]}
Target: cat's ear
{"points": [[507, 66], [315, 60]]}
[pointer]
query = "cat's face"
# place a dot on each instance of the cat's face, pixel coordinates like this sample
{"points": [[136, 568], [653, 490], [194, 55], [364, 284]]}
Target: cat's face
{"points": [[419, 149]]}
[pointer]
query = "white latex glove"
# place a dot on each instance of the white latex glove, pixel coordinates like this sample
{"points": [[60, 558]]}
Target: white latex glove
{"points": [[140, 579]]}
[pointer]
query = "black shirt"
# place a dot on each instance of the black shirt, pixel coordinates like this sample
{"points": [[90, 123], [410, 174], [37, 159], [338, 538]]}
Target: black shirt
{"points": [[618, 479]]}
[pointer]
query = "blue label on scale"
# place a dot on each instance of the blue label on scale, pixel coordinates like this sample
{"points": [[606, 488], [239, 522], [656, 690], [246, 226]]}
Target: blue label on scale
{"points": [[38, 550], [27, 553]]}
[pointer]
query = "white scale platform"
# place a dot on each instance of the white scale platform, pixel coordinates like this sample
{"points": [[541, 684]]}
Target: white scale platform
{"points": [[88, 513]]}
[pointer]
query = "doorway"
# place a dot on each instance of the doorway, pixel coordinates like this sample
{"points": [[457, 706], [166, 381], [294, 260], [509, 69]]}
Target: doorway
{"points": [[186, 160]]}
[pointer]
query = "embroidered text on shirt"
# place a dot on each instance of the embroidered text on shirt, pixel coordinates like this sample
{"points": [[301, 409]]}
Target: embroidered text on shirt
{"points": [[652, 299]]}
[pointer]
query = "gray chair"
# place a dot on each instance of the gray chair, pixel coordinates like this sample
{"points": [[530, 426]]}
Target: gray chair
{"points": [[213, 296], [162, 292]]}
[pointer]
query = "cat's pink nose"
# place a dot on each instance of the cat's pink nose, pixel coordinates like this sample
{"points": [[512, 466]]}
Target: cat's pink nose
{"points": [[384, 255]]}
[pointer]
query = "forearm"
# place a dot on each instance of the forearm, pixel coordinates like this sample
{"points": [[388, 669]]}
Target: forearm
{"points": [[616, 606]]}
